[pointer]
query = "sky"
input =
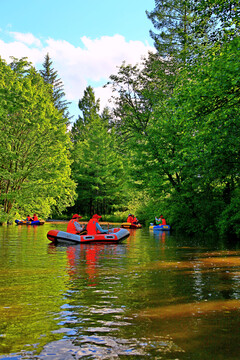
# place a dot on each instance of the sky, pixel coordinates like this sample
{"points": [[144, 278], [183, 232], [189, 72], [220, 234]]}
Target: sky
{"points": [[87, 40]]}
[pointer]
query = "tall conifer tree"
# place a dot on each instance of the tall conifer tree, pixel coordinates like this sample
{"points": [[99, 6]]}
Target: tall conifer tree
{"points": [[50, 76], [179, 31], [97, 165]]}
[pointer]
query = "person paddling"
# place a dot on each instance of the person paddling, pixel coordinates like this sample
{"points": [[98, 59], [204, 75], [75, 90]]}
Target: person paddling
{"points": [[73, 226], [34, 218], [135, 220], [163, 220], [130, 218], [93, 226]]}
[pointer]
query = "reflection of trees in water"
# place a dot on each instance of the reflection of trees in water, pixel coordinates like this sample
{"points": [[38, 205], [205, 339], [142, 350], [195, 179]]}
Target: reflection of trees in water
{"points": [[161, 235], [141, 291], [86, 258]]}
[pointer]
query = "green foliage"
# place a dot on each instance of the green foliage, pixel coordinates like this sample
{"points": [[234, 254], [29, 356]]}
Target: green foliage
{"points": [[97, 168], [34, 144], [56, 88], [227, 15], [207, 109], [145, 122], [89, 108], [181, 33], [210, 103], [182, 129], [229, 221], [170, 145]]}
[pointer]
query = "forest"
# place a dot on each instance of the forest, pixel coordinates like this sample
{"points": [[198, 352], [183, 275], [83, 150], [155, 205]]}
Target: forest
{"points": [[168, 143]]}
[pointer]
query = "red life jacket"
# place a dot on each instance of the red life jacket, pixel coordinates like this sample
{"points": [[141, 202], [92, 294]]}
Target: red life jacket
{"points": [[71, 227], [35, 218], [129, 219], [91, 227], [164, 221], [29, 218]]}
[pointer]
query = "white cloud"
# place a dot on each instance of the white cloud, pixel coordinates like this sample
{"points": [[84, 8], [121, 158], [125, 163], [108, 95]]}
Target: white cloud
{"points": [[19, 50], [28, 38], [78, 66]]}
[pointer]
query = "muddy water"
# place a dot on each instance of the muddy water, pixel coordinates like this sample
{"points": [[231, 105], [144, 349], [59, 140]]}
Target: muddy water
{"points": [[154, 296]]}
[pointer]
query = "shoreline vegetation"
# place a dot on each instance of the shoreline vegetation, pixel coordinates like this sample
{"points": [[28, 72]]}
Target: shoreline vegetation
{"points": [[169, 143]]}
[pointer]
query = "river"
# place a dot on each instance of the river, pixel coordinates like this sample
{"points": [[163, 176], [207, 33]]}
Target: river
{"points": [[154, 296]]}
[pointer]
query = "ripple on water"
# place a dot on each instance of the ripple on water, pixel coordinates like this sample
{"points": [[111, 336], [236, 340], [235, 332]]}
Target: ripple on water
{"points": [[107, 347]]}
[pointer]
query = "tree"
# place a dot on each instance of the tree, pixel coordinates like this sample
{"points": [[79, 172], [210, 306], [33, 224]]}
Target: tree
{"points": [[90, 108], [34, 145], [173, 110], [180, 32], [227, 15], [144, 121], [50, 76], [208, 109], [97, 165], [179, 126]]}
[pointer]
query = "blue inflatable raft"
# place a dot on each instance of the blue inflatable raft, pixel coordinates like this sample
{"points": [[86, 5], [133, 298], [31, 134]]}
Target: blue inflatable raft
{"points": [[159, 227]]}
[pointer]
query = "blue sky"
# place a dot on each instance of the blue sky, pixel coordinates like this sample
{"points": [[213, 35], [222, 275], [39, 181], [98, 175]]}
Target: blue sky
{"points": [[86, 39]]}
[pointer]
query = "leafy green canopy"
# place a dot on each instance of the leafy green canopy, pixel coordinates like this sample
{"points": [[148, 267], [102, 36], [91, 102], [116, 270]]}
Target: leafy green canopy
{"points": [[97, 168], [206, 104], [227, 14], [146, 130], [181, 125], [180, 33], [34, 145]]}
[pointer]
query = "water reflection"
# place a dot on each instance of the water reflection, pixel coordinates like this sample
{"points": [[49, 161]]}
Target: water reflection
{"points": [[160, 235], [86, 258], [110, 348], [153, 296], [191, 309]]}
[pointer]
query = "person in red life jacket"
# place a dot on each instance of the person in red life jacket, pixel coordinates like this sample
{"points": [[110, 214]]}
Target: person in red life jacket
{"points": [[73, 226], [130, 218], [163, 220], [93, 226], [28, 218], [34, 218], [135, 220]]}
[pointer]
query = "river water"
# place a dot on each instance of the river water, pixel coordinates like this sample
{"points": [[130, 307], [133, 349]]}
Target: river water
{"points": [[154, 296]]}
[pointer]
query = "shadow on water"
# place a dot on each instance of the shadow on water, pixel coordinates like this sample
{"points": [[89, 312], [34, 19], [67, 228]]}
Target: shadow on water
{"points": [[154, 296]]}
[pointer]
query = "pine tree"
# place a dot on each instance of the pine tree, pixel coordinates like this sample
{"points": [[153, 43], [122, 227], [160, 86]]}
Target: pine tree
{"points": [[180, 32], [97, 165], [50, 76], [90, 108], [227, 14]]}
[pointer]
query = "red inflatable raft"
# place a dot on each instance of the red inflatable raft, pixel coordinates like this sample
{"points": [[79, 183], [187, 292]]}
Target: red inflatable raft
{"points": [[113, 236]]}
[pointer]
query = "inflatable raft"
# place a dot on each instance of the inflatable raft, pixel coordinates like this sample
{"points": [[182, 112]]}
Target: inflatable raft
{"points": [[128, 225], [25, 222], [113, 236], [159, 227]]}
